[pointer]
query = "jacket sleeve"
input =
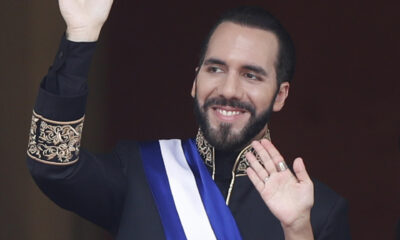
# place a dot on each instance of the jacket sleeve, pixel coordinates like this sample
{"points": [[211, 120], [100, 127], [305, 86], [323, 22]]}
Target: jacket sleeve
{"points": [[92, 186], [337, 224]]}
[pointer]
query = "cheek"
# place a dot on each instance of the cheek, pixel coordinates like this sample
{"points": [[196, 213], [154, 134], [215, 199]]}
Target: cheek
{"points": [[205, 88], [261, 98]]}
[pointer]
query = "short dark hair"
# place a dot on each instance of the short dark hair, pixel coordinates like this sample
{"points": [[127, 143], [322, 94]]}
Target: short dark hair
{"points": [[257, 17]]}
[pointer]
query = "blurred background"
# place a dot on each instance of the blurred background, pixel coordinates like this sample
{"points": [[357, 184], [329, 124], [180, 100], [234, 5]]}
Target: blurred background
{"points": [[342, 115]]}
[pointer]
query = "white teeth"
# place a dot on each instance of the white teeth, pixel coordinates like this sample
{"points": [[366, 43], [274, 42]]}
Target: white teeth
{"points": [[228, 113]]}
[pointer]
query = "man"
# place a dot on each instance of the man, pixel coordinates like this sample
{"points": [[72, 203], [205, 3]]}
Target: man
{"points": [[229, 183]]}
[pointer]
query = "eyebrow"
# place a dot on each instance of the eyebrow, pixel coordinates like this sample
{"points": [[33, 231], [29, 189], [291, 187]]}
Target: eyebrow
{"points": [[211, 61], [253, 68], [256, 69]]}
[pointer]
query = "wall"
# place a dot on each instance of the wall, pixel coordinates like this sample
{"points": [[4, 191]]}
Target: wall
{"points": [[30, 32]]}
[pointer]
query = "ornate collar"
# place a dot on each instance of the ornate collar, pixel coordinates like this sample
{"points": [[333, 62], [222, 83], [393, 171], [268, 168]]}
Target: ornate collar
{"points": [[207, 152]]}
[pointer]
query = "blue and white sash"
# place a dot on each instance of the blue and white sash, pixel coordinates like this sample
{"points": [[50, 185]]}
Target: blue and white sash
{"points": [[189, 202]]}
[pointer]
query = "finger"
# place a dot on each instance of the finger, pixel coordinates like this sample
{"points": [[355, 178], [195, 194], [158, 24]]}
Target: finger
{"points": [[275, 155], [265, 157], [300, 170], [257, 182], [257, 167]]}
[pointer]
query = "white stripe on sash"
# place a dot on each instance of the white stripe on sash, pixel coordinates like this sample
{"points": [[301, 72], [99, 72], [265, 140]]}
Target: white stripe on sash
{"points": [[184, 190]]}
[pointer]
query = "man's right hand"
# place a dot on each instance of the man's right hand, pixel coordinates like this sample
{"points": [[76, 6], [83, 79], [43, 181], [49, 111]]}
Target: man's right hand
{"points": [[84, 18]]}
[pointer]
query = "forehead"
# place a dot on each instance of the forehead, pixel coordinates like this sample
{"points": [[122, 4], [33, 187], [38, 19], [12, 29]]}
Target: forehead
{"points": [[243, 45]]}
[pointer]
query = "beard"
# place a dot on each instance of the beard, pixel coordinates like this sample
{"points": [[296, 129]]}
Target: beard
{"points": [[223, 138]]}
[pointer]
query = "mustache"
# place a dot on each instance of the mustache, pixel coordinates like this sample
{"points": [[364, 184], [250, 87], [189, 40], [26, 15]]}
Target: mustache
{"points": [[229, 103]]}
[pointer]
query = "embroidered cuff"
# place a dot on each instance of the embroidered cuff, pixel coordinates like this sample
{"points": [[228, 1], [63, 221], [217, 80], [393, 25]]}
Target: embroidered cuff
{"points": [[54, 142]]}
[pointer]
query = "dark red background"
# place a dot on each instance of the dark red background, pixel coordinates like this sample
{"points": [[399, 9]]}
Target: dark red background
{"points": [[342, 115]]}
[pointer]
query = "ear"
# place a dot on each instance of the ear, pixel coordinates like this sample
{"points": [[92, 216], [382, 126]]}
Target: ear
{"points": [[193, 92], [281, 96]]}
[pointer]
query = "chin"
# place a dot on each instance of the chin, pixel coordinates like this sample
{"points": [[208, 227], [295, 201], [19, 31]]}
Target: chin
{"points": [[225, 138], [230, 136]]}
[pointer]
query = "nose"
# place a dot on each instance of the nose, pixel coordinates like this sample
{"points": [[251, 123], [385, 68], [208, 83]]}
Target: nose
{"points": [[230, 87]]}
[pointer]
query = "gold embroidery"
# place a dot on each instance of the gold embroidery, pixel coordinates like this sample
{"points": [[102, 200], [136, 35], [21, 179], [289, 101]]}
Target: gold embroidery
{"points": [[243, 164], [239, 168], [207, 153], [205, 149], [54, 142]]}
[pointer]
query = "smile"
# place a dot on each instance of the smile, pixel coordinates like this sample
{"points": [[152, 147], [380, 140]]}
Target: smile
{"points": [[228, 114]]}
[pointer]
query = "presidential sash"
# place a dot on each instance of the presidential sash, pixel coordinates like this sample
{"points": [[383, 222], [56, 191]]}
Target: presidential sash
{"points": [[188, 200]]}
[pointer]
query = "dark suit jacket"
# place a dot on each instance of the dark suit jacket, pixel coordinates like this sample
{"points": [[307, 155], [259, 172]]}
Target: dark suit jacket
{"points": [[112, 191]]}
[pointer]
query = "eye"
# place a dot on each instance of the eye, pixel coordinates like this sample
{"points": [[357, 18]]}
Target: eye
{"points": [[251, 76], [214, 69]]}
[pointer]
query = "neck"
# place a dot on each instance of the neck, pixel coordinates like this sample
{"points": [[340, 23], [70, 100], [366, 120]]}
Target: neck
{"points": [[233, 161], [263, 133]]}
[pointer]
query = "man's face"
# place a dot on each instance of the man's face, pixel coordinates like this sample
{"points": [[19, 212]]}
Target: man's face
{"points": [[236, 88]]}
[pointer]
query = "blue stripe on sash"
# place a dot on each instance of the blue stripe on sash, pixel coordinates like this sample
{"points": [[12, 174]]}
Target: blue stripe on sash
{"points": [[220, 216], [157, 178]]}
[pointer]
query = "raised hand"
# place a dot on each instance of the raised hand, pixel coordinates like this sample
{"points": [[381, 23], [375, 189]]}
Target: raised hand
{"points": [[289, 197], [84, 18]]}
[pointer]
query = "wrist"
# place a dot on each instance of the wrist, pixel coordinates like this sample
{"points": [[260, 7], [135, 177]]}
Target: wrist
{"points": [[89, 34], [300, 229]]}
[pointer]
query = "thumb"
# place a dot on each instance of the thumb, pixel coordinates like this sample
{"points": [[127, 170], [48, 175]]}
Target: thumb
{"points": [[300, 170]]}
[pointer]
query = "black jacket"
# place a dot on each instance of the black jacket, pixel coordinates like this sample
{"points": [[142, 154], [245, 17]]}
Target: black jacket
{"points": [[111, 190]]}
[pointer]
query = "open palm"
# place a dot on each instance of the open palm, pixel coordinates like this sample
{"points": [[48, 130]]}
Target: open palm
{"points": [[85, 15], [288, 196]]}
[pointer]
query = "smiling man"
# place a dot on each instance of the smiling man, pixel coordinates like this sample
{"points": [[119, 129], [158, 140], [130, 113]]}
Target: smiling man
{"points": [[236, 88], [230, 182]]}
